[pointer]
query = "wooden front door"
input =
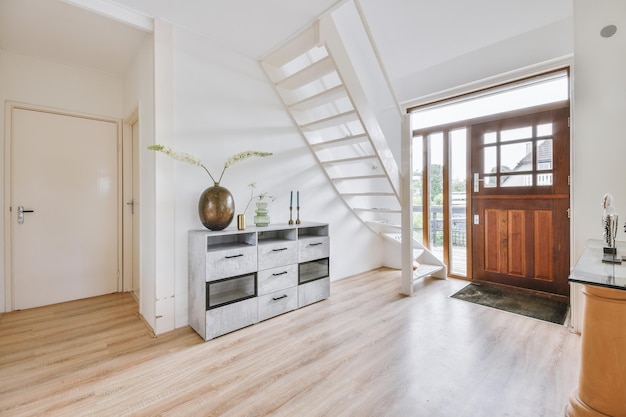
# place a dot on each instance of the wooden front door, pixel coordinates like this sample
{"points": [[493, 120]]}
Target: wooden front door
{"points": [[520, 200]]}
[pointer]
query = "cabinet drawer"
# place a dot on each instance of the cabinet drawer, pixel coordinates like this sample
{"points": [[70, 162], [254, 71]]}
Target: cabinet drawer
{"points": [[313, 248], [313, 270], [278, 302], [275, 279], [230, 290], [312, 292], [277, 254], [230, 262], [231, 317]]}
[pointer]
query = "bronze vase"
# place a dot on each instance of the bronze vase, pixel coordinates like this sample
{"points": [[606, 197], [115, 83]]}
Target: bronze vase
{"points": [[216, 207]]}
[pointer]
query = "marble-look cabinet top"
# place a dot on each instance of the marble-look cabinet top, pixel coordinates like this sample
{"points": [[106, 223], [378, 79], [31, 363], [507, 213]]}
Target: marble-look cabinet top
{"points": [[591, 270]]}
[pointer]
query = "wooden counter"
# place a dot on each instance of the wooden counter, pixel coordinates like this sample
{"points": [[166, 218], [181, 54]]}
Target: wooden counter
{"points": [[602, 379]]}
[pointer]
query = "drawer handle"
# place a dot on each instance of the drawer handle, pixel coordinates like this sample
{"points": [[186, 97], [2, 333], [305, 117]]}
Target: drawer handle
{"points": [[278, 250], [233, 256], [280, 273], [315, 244], [278, 298]]}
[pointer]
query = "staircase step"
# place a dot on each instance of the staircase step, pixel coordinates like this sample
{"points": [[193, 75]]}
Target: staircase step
{"points": [[336, 120], [297, 46], [307, 75], [325, 97], [377, 209], [373, 194], [348, 140], [425, 270], [387, 229], [359, 177], [348, 160]]}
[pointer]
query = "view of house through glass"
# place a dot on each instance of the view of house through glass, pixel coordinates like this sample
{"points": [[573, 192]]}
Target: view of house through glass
{"points": [[518, 157]]}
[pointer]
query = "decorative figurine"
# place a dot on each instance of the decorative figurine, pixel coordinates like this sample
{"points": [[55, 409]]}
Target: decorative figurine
{"points": [[609, 229]]}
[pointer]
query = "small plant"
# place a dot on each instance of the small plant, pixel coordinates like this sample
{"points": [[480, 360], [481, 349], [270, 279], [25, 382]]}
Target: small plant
{"points": [[260, 196]]}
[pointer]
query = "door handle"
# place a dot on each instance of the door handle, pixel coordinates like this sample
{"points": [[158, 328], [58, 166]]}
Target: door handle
{"points": [[477, 181], [20, 213], [132, 204]]}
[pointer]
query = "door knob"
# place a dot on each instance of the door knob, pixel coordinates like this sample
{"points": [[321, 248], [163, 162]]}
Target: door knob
{"points": [[132, 205], [20, 213]]}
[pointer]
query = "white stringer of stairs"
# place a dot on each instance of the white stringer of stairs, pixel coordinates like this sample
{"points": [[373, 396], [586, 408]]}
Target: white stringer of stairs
{"points": [[317, 82]]}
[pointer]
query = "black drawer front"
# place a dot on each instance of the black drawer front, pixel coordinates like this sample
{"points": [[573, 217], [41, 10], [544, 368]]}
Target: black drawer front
{"points": [[313, 270], [230, 290]]}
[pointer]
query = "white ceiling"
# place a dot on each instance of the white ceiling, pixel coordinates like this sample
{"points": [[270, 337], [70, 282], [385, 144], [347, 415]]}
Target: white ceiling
{"points": [[60, 32], [410, 34], [413, 35]]}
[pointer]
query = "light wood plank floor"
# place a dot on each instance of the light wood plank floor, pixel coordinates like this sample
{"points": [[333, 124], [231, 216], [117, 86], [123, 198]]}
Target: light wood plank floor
{"points": [[366, 351]]}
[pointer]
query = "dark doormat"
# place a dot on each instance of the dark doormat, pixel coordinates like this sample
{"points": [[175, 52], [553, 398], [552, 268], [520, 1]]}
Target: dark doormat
{"points": [[526, 304]]}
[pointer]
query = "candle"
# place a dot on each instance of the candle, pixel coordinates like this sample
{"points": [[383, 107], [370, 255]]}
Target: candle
{"points": [[291, 199], [298, 197]]}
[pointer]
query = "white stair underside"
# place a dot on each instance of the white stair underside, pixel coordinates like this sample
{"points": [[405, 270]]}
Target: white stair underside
{"points": [[307, 75], [368, 194], [325, 97], [359, 177], [346, 141], [378, 209], [356, 159], [338, 119]]}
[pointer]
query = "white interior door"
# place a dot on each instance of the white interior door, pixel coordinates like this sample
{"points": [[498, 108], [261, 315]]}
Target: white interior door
{"points": [[65, 169]]}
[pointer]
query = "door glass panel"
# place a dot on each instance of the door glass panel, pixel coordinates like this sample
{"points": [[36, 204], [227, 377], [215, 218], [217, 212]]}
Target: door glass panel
{"points": [[435, 205], [544, 179], [491, 159], [544, 129], [458, 203], [490, 138], [544, 155], [516, 157], [490, 181], [516, 181], [516, 134], [417, 187]]}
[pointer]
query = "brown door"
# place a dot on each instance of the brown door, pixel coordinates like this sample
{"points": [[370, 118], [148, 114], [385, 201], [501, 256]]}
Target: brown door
{"points": [[520, 201]]}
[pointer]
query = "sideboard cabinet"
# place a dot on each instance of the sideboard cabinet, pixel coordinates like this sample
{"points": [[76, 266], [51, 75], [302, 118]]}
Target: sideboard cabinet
{"points": [[240, 277]]}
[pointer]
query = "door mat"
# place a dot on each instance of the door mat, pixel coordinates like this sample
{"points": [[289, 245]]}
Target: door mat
{"points": [[526, 304]]}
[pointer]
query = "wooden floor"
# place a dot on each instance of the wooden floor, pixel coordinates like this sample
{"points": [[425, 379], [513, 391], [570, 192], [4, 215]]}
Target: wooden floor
{"points": [[366, 351]]}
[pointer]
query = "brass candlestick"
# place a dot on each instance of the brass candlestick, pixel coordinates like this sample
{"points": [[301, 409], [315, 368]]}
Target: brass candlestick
{"points": [[290, 215], [298, 215]]}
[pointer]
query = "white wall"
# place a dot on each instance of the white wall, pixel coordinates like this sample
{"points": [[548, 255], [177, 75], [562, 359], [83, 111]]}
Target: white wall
{"points": [[529, 49], [223, 104], [35, 81], [599, 114]]}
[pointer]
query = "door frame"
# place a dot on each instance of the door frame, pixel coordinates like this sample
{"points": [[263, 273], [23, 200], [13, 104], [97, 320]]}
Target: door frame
{"points": [[130, 164], [8, 191]]}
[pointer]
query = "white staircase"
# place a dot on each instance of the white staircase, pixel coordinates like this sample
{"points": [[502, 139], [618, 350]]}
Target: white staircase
{"points": [[425, 263], [316, 80], [333, 114]]}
